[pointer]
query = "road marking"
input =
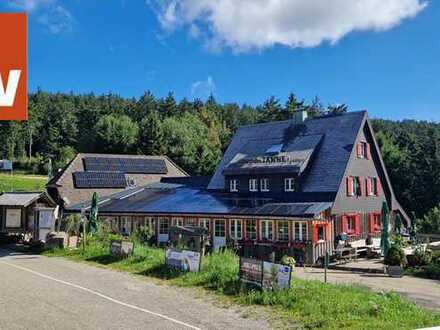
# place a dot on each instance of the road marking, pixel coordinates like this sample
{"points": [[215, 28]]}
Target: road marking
{"points": [[101, 295]]}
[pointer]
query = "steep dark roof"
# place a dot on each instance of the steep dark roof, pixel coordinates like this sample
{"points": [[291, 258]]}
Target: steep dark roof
{"points": [[338, 134]]}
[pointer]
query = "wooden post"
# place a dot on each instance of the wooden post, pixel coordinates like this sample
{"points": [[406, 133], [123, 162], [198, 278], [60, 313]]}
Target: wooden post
{"points": [[325, 266]]}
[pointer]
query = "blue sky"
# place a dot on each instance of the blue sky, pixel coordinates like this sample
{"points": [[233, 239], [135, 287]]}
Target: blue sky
{"points": [[383, 58]]}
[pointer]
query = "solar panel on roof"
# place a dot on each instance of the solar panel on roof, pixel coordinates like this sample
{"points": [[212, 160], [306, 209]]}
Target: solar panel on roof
{"points": [[125, 165], [99, 180]]}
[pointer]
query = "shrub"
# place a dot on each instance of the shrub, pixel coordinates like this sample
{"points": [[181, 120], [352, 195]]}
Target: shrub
{"points": [[143, 234], [395, 256], [288, 261]]}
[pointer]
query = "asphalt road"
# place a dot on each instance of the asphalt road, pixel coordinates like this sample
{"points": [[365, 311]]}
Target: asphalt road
{"points": [[51, 293]]}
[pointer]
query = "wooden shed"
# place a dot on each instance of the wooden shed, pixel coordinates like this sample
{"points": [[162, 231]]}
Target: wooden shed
{"points": [[32, 213]]}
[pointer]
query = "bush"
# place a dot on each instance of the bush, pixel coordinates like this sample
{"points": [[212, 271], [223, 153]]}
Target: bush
{"points": [[143, 234], [395, 256], [288, 261]]}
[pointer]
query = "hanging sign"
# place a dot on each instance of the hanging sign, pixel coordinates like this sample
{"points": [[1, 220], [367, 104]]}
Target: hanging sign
{"points": [[187, 261]]}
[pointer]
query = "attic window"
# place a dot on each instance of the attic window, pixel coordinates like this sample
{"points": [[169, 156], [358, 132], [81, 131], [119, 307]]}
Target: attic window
{"points": [[363, 150], [274, 149]]}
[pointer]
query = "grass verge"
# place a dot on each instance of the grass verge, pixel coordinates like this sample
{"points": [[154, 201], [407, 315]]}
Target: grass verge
{"points": [[21, 182], [307, 304]]}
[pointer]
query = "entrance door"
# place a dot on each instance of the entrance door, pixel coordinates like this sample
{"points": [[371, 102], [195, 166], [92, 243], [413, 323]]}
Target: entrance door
{"points": [[219, 234]]}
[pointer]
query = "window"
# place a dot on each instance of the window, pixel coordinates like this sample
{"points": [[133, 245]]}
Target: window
{"points": [[164, 226], [233, 185], [235, 229], [289, 184], [283, 231], [204, 223], [372, 184], [253, 185], [251, 229], [219, 228], [267, 229], [300, 231], [363, 150], [125, 225], [321, 233], [354, 187], [264, 184], [178, 222], [351, 224], [375, 222], [192, 222]]}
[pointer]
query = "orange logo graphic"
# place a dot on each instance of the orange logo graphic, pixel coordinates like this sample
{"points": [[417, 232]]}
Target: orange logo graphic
{"points": [[13, 67]]}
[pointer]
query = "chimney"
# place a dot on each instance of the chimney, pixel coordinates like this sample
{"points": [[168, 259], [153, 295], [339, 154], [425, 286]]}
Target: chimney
{"points": [[299, 116]]}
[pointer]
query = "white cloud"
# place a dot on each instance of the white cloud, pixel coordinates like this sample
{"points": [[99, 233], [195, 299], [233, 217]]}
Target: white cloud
{"points": [[56, 18], [203, 89], [244, 25], [29, 5]]}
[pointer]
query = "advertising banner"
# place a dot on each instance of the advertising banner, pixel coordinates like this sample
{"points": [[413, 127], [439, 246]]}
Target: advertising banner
{"points": [[251, 270], [13, 67], [183, 260], [267, 275], [276, 276], [121, 248]]}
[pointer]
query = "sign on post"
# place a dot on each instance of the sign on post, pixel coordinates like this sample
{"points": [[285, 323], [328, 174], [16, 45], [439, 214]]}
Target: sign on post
{"points": [[267, 275], [121, 248], [183, 260]]}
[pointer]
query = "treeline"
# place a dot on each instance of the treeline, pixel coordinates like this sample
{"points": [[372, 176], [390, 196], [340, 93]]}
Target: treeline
{"points": [[196, 133]]}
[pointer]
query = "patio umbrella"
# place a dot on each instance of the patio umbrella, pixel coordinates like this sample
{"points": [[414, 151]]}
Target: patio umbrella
{"points": [[385, 237], [398, 224], [93, 226]]}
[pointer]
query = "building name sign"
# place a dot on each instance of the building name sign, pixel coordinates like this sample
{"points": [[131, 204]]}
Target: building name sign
{"points": [[283, 159]]}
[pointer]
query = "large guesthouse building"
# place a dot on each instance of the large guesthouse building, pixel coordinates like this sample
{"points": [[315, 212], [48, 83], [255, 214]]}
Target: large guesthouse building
{"points": [[290, 187]]}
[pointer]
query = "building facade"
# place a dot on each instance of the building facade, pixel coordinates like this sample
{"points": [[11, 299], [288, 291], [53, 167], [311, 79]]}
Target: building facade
{"points": [[288, 187]]}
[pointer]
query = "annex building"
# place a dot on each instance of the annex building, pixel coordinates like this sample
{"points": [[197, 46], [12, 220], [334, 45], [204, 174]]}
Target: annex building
{"points": [[282, 186]]}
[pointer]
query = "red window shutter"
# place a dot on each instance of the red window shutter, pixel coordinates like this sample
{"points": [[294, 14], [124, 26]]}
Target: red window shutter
{"points": [[368, 151], [367, 186], [350, 186], [358, 224], [360, 186], [315, 233], [358, 150], [328, 233], [379, 186], [371, 227], [344, 223]]}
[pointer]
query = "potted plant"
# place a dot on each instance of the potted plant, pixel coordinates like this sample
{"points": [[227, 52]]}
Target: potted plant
{"points": [[395, 260]]}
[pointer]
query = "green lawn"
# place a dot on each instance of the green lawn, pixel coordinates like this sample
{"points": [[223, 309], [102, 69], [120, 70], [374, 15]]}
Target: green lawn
{"points": [[21, 182], [307, 304]]}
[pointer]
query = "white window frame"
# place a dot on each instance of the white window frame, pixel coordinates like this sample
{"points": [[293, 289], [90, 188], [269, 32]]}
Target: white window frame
{"points": [[219, 221], [162, 223], [264, 229], [286, 233], [233, 185], [289, 184], [373, 186], [254, 222], [264, 184], [363, 149], [302, 231], [233, 226], [204, 223], [253, 185], [178, 222]]}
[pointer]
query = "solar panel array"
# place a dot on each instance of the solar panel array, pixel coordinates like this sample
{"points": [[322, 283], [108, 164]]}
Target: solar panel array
{"points": [[125, 165], [99, 180]]}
